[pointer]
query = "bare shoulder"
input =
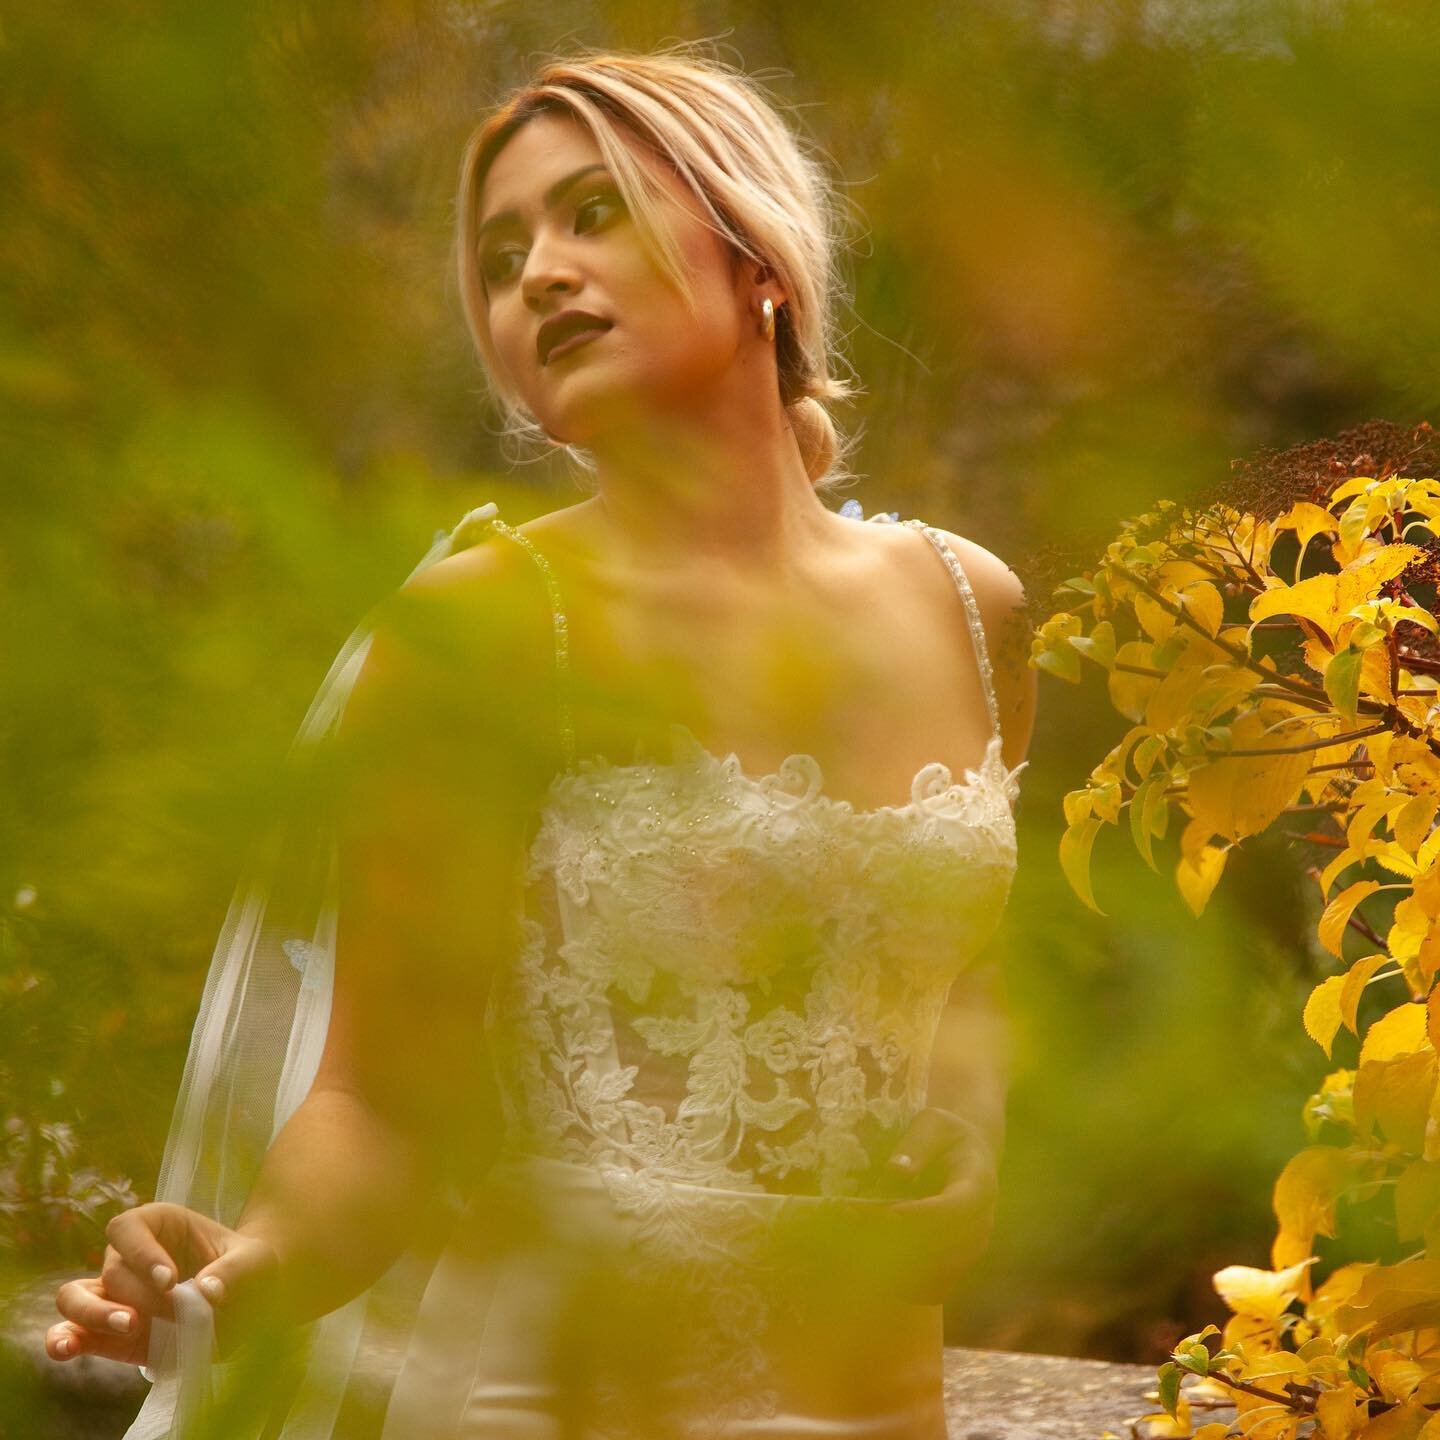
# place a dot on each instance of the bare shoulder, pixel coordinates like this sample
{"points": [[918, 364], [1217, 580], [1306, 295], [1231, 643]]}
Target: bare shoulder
{"points": [[1004, 616], [998, 589], [466, 642]]}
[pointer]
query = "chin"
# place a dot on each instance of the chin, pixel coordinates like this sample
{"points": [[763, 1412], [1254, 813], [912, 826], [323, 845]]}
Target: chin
{"points": [[594, 410]]}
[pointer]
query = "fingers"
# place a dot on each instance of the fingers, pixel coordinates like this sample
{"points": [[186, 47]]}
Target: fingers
{"points": [[952, 1152], [95, 1325], [924, 1140], [122, 1285], [143, 1269], [69, 1342]]}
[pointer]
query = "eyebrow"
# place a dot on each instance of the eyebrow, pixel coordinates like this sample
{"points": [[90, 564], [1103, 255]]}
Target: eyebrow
{"points": [[551, 197]]}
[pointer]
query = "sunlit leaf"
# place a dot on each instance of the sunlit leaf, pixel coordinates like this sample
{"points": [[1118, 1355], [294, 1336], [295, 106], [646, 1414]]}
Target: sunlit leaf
{"points": [[1356, 978], [1417, 1199], [1336, 917], [1197, 875], [1242, 795], [1322, 1012], [1075, 845], [1304, 1200], [1399, 1032], [1342, 681], [1262, 1294]]}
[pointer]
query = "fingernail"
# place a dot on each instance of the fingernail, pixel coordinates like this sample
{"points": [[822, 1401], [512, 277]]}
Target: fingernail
{"points": [[65, 1346], [120, 1320], [160, 1274], [213, 1286]]}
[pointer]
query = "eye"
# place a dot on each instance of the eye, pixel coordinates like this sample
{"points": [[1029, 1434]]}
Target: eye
{"points": [[495, 263], [598, 204]]}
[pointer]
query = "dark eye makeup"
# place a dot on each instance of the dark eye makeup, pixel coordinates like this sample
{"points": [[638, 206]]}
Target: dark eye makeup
{"points": [[592, 213]]}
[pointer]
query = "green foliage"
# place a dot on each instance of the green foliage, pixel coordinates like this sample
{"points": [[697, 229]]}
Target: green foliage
{"points": [[1095, 253]]}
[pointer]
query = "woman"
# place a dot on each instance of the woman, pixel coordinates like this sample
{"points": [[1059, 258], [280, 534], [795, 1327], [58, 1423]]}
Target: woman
{"points": [[647, 834]]}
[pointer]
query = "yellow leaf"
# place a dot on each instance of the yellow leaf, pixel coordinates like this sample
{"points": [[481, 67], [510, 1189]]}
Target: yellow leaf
{"points": [[1170, 701], [1415, 821], [1098, 645], [1395, 1095], [1348, 489], [1339, 1288], [1198, 875], [1395, 1298], [1307, 521], [1391, 857], [1155, 620], [1161, 1426], [1148, 809], [1413, 766], [1404, 1422], [1059, 660], [1417, 1199], [1326, 599], [1408, 930], [1340, 1412], [1397, 1374], [1375, 674], [1342, 681], [1075, 846], [1336, 917], [1129, 693], [1176, 574], [1204, 603], [1242, 795], [1263, 1294], [1362, 578], [1343, 860], [1312, 599], [1322, 1012], [1426, 890], [1356, 978], [1400, 1032], [1304, 1201]]}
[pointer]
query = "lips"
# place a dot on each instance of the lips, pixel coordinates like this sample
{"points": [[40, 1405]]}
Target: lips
{"points": [[567, 331]]}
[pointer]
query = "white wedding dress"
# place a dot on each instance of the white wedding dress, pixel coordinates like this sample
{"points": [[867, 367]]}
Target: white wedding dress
{"points": [[713, 1021], [718, 1021]]}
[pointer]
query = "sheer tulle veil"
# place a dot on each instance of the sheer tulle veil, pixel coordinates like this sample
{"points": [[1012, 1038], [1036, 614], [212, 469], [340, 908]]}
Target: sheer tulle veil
{"points": [[253, 1054]]}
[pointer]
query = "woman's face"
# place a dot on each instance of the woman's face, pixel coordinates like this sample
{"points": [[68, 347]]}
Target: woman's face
{"points": [[555, 236]]}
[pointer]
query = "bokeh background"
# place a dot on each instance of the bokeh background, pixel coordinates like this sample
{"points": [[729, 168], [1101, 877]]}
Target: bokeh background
{"points": [[1099, 249]]}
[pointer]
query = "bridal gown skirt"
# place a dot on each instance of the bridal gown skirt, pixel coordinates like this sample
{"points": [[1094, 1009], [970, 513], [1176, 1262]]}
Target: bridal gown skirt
{"points": [[576, 1303]]}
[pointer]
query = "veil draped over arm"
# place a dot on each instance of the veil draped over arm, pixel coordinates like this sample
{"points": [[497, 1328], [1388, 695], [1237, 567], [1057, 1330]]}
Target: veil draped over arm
{"points": [[254, 1052]]}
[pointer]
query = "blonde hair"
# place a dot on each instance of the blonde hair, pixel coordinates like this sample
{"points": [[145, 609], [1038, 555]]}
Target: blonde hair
{"points": [[756, 187]]}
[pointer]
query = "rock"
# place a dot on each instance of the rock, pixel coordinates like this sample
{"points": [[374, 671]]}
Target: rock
{"points": [[989, 1394]]}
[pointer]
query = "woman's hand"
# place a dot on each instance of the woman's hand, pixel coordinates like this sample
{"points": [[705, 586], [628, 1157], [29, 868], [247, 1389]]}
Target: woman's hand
{"points": [[152, 1248], [951, 1170]]}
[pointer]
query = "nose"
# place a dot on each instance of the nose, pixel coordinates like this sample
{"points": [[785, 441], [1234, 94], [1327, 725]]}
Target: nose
{"points": [[548, 271]]}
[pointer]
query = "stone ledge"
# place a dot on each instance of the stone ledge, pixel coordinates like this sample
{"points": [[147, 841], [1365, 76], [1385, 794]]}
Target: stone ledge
{"points": [[989, 1394]]}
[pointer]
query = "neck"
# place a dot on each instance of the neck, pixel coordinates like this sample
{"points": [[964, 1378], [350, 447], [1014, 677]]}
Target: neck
{"points": [[731, 487]]}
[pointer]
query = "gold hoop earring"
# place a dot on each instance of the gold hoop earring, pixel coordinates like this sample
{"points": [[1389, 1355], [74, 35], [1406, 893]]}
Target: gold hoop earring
{"points": [[767, 325]]}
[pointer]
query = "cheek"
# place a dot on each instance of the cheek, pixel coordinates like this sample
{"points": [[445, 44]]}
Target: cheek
{"points": [[679, 344], [512, 342]]}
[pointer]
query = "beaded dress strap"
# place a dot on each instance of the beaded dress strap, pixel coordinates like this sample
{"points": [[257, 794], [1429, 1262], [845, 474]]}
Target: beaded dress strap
{"points": [[972, 614], [564, 706]]}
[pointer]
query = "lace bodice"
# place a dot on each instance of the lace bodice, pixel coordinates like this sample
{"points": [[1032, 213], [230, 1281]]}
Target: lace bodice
{"points": [[735, 981]]}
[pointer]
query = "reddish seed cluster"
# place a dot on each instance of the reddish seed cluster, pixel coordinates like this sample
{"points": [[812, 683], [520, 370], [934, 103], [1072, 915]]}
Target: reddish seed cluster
{"points": [[1271, 481]]}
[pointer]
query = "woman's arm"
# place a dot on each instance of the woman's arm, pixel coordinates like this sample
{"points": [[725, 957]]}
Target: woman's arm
{"points": [[970, 1063], [446, 746], [442, 756]]}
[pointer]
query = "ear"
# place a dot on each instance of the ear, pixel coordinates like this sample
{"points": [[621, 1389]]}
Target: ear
{"points": [[762, 277]]}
